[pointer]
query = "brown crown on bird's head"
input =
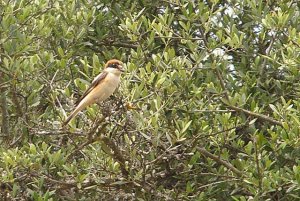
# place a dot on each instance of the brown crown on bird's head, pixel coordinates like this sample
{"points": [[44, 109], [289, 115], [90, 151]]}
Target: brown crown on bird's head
{"points": [[114, 63]]}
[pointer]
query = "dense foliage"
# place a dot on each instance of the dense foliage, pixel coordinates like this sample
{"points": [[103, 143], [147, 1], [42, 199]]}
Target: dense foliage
{"points": [[208, 108]]}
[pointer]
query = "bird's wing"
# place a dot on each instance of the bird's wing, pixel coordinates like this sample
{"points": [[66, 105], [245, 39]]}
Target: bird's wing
{"points": [[95, 83]]}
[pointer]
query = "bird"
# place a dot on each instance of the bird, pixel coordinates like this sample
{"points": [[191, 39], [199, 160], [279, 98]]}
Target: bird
{"points": [[102, 87]]}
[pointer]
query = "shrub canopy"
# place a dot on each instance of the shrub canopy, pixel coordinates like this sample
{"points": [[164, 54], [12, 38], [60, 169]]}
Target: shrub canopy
{"points": [[208, 108]]}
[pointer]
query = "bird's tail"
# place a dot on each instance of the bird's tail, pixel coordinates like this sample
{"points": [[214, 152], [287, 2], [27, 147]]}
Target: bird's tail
{"points": [[71, 116]]}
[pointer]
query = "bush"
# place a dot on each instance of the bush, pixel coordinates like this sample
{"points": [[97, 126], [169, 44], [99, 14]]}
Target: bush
{"points": [[208, 107]]}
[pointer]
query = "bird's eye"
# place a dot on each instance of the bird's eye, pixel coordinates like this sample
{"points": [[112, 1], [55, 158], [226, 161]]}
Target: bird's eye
{"points": [[113, 65]]}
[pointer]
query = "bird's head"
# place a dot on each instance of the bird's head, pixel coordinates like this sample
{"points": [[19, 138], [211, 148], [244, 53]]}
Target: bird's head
{"points": [[114, 65]]}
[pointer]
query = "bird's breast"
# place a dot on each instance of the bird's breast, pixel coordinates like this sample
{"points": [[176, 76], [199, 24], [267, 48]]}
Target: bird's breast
{"points": [[106, 87]]}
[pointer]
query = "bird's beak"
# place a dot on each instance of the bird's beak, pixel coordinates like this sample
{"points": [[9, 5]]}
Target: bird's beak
{"points": [[121, 68]]}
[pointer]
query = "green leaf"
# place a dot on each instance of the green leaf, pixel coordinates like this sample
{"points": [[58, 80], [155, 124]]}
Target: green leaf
{"points": [[187, 125]]}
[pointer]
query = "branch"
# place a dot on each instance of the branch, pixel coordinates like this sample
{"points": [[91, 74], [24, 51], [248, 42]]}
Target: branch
{"points": [[90, 137], [104, 183], [4, 110], [220, 161], [16, 101], [56, 132], [259, 116], [117, 154], [213, 111], [222, 83], [112, 43], [257, 161]]}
